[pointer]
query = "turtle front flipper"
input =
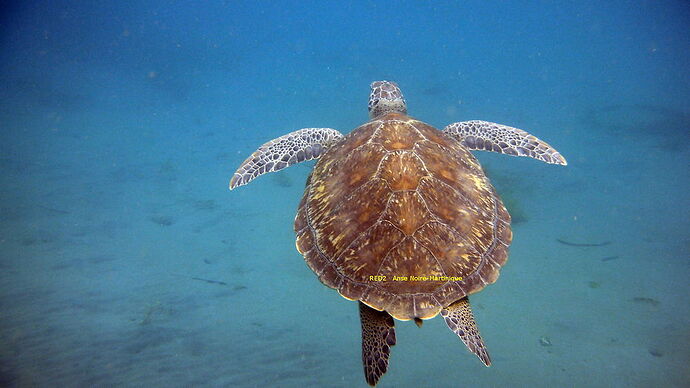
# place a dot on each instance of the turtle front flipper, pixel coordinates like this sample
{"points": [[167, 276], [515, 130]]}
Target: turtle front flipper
{"points": [[299, 146], [486, 136], [378, 335], [459, 318]]}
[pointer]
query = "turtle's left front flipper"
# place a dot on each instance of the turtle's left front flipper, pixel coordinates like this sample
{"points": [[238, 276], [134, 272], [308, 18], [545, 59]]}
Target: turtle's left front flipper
{"points": [[378, 336], [486, 136], [299, 146]]}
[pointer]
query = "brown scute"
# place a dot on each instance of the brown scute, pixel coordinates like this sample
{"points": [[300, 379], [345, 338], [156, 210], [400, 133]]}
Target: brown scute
{"points": [[397, 135], [406, 211], [503, 232], [402, 170], [457, 255], [364, 256], [503, 214], [397, 305], [407, 306], [433, 135], [378, 298], [331, 186], [426, 306], [381, 299], [353, 290], [407, 260], [349, 217], [473, 284], [301, 217], [352, 140], [305, 240], [447, 293], [330, 277], [316, 261], [397, 197], [499, 255], [481, 235], [461, 215], [361, 166], [452, 165], [487, 272]]}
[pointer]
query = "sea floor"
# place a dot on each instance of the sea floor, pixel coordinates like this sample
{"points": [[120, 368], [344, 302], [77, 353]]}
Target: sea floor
{"points": [[126, 261], [136, 269]]}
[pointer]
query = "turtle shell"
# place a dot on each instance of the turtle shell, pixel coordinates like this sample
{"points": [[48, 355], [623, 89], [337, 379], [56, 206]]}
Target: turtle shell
{"points": [[401, 217]]}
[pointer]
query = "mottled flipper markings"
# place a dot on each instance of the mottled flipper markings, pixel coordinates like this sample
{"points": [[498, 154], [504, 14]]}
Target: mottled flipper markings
{"points": [[486, 136], [459, 318], [299, 146], [378, 336]]}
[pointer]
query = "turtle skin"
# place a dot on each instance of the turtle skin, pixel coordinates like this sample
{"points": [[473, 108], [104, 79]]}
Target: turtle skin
{"points": [[401, 217]]}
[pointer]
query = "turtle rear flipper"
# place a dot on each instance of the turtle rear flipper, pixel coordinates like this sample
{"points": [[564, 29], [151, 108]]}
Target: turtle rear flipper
{"points": [[459, 318], [378, 336], [298, 146], [486, 136]]}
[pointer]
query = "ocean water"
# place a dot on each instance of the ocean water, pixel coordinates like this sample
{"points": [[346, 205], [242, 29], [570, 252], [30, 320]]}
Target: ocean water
{"points": [[126, 261]]}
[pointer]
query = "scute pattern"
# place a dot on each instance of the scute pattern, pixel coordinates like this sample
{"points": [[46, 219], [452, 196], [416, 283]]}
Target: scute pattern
{"points": [[457, 254], [398, 198], [374, 242], [406, 211], [410, 258], [401, 170]]}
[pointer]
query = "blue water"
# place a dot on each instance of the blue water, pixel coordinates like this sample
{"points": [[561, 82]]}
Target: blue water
{"points": [[122, 122]]}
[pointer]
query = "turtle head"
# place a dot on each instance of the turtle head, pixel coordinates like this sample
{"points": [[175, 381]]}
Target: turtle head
{"points": [[386, 97]]}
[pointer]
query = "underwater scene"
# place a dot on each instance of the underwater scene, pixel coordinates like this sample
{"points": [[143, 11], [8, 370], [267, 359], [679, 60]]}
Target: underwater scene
{"points": [[126, 260]]}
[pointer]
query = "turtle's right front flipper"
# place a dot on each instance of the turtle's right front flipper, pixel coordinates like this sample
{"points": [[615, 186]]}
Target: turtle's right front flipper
{"points": [[295, 147], [486, 136], [378, 336]]}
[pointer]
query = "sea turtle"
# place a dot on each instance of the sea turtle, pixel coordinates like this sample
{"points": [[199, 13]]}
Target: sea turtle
{"points": [[399, 216]]}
